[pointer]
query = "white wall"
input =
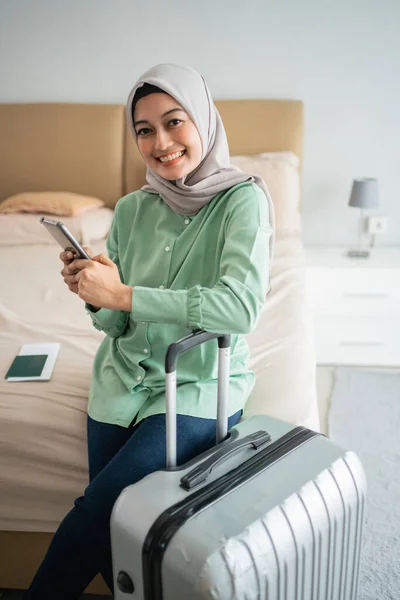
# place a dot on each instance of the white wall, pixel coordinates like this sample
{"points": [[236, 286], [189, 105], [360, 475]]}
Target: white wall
{"points": [[341, 58]]}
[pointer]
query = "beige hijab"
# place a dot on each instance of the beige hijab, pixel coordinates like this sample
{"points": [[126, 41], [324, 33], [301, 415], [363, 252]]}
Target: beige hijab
{"points": [[214, 174]]}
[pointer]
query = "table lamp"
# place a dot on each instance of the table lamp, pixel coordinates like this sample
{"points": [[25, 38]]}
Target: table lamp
{"points": [[364, 195]]}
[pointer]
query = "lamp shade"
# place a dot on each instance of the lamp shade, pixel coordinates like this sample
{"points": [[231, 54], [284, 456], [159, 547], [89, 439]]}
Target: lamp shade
{"points": [[364, 193]]}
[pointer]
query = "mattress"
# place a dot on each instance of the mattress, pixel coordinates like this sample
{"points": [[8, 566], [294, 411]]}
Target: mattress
{"points": [[43, 454]]}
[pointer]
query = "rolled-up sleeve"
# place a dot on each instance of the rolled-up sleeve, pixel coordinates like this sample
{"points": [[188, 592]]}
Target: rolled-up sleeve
{"points": [[112, 322], [234, 303]]}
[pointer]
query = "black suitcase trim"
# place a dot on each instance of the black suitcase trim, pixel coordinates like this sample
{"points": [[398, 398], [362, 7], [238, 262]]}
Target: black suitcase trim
{"points": [[168, 523]]}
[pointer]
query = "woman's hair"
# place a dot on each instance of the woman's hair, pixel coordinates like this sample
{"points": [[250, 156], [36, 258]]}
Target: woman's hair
{"points": [[145, 90]]}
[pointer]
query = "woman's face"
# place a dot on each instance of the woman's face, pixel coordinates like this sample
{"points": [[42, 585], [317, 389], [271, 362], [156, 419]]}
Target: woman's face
{"points": [[167, 138]]}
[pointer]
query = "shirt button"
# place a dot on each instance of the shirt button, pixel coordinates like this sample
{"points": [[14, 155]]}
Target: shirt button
{"points": [[161, 287], [167, 248], [138, 378], [187, 221], [145, 350]]}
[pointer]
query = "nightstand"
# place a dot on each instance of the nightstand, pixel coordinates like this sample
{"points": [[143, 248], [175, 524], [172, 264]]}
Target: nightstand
{"points": [[356, 306]]}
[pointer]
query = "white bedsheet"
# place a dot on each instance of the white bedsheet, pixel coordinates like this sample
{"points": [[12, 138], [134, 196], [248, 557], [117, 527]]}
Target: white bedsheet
{"points": [[43, 454]]}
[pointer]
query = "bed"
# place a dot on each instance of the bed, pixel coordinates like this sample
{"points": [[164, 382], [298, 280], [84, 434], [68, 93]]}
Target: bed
{"points": [[86, 149]]}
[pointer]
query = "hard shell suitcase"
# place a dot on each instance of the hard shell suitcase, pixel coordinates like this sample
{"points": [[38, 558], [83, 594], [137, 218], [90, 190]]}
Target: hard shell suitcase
{"points": [[272, 512]]}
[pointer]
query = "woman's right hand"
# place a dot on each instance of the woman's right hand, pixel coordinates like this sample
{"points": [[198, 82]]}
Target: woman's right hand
{"points": [[68, 272]]}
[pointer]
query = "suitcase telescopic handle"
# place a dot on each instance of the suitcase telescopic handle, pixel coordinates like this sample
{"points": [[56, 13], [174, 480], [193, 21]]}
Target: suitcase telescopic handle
{"points": [[174, 350]]}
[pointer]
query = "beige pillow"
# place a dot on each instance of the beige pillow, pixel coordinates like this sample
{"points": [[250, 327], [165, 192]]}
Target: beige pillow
{"points": [[280, 171], [25, 229], [54, 203]]}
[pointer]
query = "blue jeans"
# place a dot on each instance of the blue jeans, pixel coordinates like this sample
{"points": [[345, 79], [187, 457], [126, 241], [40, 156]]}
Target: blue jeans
{"points": [[118, 457]]}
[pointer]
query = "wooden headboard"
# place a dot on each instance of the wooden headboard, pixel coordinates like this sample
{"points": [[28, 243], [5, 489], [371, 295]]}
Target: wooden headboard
{"points": [[62, 147], [252, 126], [87, 148]]}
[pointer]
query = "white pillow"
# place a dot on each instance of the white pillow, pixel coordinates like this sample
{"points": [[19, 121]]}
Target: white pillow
{"points": [[25, 228], [280, 171], [282, 347]]}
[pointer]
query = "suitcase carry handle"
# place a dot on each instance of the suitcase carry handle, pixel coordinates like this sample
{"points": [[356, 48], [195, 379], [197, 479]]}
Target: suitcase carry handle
{"points": [[174, 350], [199, 474]]}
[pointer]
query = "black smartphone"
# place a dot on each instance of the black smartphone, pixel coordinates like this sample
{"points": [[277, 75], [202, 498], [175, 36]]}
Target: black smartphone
{"points": [[64, 237]]}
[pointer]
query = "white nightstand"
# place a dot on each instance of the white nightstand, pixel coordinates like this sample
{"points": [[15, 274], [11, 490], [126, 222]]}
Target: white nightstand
{"points": [[356, 306]]}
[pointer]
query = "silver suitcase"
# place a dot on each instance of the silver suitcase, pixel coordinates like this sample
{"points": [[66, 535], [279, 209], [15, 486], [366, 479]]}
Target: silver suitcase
{"points": [[272, 512]]}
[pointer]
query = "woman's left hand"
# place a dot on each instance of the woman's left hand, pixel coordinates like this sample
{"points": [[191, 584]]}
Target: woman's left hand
{"points": [[99, 283]]}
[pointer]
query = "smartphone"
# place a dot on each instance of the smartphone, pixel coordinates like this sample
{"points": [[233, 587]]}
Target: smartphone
{"points": [[64, 237]]}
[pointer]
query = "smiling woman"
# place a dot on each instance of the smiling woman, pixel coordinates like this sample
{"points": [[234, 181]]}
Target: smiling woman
{"points": [[190, 250], [167, 138]]}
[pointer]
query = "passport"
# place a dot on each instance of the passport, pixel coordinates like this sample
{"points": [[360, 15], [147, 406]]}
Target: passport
{"points": [[27, 365]]}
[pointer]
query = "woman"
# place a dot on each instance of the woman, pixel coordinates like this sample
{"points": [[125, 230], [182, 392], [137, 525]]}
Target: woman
{"points": [[190, 250]]}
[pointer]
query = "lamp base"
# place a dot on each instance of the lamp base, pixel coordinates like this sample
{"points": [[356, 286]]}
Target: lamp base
{"points": [[358, 253]]}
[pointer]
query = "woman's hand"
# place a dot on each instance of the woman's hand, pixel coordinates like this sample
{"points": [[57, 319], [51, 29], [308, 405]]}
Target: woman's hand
{"points": [[99, 284], [69, 269]]}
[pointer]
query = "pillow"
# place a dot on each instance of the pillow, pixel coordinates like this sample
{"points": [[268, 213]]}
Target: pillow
{"points": [[280, 171], [54, 203], [282, 346], [26, 229]]}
